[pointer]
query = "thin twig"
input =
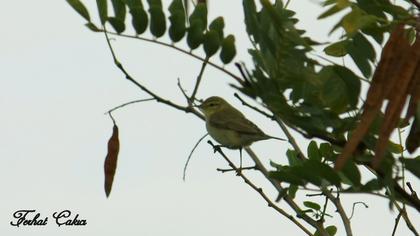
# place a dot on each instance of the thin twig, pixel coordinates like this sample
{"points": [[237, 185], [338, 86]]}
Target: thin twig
{"points": [[259, 190], [397, 220], [407, 220], [189, 156], [324, 209], [337, 203], [243, 168], [182, 90], [237, 78], [198, 81], [128, 103], [413, 193], [354, 206], [155, 96]]}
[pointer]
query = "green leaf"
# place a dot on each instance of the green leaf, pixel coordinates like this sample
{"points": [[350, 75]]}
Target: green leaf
{"points": [[200, 13], [332, 230], [353, 84], [177, 28], [312, 205], [292, 190], [228, 49], [251, 21], [117, 24], [322, 170], [157, 21], [413, 165], [338, 49], [93, 27], [395, 148], [352, 174], [156, 3], [176, 6], [218, 25], [133, 3], [211, 43], [79, 8], [357, 19], [364, 45], [195, 34], [103, 10], [119, 9], [292, 157], [333, 93], [341, 5], [287, 175], [327, 151], [140, 19], [313, 151], [360, 58]]}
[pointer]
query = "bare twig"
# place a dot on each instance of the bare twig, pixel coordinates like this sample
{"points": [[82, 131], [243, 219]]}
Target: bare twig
{"points": [[197, 83], [413, 193], [243, 168], [354, 206], [324, 209], [189, 156], [337, 203], [237, 78], [128, 103], [407, 220], [155, 96], [182, 90], [397, 220], [259, 190]]}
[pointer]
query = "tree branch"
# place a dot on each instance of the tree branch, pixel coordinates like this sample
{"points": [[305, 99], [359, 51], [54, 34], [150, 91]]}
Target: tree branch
{"points": [[259, 190], [237, 78], [336, 201], [186, 109], [129, 103], [197, 83], [286, 197], [407, 220]]}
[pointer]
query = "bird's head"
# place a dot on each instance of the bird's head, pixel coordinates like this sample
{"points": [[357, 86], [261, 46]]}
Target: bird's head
{"points": [[212, 105]]}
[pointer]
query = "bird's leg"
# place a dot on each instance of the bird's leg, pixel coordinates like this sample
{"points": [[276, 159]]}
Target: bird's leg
{"points": [[240, 162]]}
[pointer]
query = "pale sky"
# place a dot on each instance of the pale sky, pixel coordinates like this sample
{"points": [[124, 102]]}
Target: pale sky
{"points": [[56, 81]]}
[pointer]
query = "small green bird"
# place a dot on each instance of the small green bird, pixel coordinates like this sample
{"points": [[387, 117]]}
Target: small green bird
{"points": [[228, 126]]}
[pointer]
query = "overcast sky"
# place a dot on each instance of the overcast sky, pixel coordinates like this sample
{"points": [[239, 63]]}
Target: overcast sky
{"points": [[56, 81]]}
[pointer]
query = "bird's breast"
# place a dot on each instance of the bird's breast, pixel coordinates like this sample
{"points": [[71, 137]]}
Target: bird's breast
{"points": [[225, 137]]}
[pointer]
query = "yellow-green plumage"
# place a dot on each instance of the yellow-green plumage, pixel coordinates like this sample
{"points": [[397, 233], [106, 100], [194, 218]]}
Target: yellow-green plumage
{"points": [[228, 126]]}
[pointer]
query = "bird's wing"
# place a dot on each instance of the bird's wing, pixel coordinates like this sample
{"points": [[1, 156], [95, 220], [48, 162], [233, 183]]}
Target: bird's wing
{"points": [[236, 122]]}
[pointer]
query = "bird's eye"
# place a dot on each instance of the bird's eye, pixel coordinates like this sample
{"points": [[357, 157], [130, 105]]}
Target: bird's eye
{"points": [[212, 104]]}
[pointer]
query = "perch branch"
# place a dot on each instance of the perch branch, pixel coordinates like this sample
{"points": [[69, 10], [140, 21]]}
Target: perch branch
{"points": [[259, 190]]}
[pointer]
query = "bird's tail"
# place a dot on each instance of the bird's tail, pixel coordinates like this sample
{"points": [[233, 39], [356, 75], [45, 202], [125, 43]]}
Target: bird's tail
{"points": [[282, 139]]}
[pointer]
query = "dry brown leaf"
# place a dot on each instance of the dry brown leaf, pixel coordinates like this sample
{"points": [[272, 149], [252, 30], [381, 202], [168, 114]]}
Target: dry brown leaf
{"points": [[111, 159], [391, 80]]}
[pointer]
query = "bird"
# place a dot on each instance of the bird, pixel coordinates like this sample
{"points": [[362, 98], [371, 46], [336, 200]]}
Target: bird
{"points": [[228, 126]]}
